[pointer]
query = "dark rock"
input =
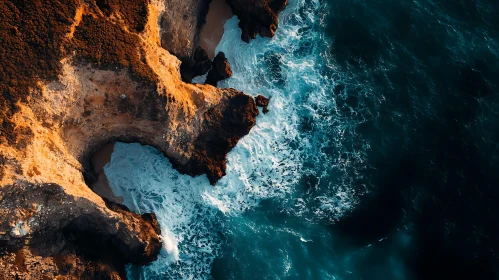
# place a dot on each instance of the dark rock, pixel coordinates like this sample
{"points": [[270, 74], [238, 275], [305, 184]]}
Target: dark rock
{"points": [[69, 236], [222, 127], [220, 70], [194, 66], [257, 16], [262, 101]]}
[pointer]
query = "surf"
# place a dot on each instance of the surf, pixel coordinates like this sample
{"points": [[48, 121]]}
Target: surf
{"points": [[298, 155]]}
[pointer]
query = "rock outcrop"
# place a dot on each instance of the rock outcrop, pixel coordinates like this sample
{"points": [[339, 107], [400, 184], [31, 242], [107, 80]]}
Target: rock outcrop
{"points": [[257, 16], [77, 74], [220, 70], [46, 233], [262, 101], [198, 65]]}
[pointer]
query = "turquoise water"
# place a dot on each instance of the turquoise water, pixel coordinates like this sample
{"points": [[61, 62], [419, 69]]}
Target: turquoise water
{"points": [[287, 178], [377, 110]]}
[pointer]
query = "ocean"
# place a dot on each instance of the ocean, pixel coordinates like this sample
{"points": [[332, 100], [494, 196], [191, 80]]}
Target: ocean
{"points": [[377, 159]]}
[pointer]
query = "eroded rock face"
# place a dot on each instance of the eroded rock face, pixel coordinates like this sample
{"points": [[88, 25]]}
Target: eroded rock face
{"points": [[257, 16], [181, 24], [222, 127], [64, 100], [67, 236], [220, 70]]}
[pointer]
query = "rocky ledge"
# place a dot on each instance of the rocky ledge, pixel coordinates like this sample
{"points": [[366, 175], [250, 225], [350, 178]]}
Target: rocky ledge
{"points": [[102, 75]]}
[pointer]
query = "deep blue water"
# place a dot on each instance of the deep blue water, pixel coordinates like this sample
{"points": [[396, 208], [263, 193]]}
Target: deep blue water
{"points": [[377, 159]]}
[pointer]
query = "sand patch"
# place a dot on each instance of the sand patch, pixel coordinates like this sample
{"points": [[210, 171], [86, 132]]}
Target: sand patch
{"points": [[213, 30], [101, 186]]}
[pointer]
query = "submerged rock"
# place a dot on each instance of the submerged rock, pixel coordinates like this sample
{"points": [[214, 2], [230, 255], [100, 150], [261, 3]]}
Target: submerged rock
{"points": [[257, 16], [220, 70]]}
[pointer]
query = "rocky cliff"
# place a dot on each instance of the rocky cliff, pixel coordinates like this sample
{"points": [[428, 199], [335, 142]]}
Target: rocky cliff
{"points": [[75, 75], [257, 16]]}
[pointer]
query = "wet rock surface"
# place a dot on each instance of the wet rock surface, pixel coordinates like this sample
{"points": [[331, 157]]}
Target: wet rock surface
{"points": [[220, 70], [262, 101]]}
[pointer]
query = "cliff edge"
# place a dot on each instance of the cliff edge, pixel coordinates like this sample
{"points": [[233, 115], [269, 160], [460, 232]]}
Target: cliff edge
{"points": [[75, 75]]}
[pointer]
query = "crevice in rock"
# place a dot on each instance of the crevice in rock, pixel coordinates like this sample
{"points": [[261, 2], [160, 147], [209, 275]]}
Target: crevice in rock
{"points": [[220, 70], [196, 65]]}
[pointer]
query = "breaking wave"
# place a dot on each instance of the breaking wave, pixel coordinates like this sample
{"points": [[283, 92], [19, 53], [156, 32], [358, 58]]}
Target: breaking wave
{"points": [[300, 155]]}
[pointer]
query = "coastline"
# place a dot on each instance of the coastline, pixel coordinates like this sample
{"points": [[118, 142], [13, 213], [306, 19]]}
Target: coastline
{"points": [[60, 211], [101, 186], [210, 35]]}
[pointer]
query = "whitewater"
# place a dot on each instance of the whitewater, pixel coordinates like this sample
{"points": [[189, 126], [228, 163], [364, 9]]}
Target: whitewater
{"points": [[295, 171]]}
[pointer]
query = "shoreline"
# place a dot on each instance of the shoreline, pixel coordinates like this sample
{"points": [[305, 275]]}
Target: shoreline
{"points": [[91, 79], [101, 187], [211, 33]]}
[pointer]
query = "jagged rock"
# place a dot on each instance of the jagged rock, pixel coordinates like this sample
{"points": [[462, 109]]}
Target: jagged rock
{"points": [[222, 127], [257, 16], [220, 70], [198, 65], [262, 101], [101, 77], [72, 236]]}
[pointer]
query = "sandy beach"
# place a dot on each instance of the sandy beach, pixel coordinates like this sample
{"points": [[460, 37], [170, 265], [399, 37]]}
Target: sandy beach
{"points": [[213, 30], [102, 187]]}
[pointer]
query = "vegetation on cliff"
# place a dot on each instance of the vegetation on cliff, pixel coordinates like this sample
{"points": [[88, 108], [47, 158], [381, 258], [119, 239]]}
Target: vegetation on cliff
{"points": [[34, 39], [32, 36]]}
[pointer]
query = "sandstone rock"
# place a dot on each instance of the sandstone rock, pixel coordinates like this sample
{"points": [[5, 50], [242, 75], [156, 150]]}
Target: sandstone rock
{"points": [[222, 127], [257, 16], [220, 70], [102, 77], [181, 24]]}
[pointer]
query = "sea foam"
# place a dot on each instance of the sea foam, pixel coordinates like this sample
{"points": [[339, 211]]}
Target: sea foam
{"points": [[303, 135]]}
